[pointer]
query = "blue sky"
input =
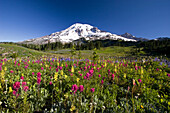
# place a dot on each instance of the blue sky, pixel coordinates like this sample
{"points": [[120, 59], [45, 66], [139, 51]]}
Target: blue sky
{"points": [[26, 19]]}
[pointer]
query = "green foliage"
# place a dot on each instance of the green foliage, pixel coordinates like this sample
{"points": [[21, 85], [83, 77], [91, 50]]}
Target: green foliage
{"points": [[73, 51], [95, 56]]}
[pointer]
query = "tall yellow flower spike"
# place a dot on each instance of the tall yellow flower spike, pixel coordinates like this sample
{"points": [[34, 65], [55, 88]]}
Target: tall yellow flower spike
{"points": [[56, 76], [72, 69], [10, 89], [61, 72]]}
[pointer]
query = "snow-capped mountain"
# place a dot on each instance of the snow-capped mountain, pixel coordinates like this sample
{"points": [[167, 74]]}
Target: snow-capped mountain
{"points": [[75, 32], [130, 36]]}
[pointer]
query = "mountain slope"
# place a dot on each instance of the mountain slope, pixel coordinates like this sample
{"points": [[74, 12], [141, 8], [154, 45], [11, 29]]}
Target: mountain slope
{"points": [[77, 31], [130, 36]]}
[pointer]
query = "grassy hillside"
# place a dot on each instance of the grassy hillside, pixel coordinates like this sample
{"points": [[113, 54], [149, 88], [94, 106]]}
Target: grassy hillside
{"points": [[11, 50]]}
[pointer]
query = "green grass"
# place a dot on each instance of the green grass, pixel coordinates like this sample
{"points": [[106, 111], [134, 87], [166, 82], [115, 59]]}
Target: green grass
{"points": [[21, 51], [103, 52]]}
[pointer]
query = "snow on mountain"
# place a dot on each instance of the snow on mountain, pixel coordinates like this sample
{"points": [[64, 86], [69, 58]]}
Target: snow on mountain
{"points": [[77, 31]]}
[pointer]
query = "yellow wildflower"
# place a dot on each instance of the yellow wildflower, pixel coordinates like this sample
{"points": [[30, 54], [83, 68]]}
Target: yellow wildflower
{"points": [[98, 61], [94, 67], [72, 69], [141, 70], [10, 89], [124, 75], [65, 76], [61, 72], [105, 64], [56, 76], [78, 79], [115, 69], [141, 106], [72, 108], [5, 68]]}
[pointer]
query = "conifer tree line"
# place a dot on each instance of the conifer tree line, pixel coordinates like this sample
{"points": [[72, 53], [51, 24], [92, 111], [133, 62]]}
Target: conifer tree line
{"points": [[79, 45], [159, 47]]}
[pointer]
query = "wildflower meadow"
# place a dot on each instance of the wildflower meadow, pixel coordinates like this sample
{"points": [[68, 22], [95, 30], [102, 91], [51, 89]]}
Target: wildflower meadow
{"points": [[83, 85]]}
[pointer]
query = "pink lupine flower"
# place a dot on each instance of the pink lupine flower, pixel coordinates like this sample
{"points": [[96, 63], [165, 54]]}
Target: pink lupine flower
{"points": [[11, 71], [14, 92], [42, 68], [168, 75], [102, 82], [24, 84], [38, 75], [26, 88], [56, 69], [74, 88], [50, 83], [136, 68], [61, 68], [92, 90], [38, 80], [18, 64], [109, 71], [16, 85], [91, 72], [84, 68], [22, 78], [88, 67], [26, 67], [157, 69], [99, 75], [80, 74], [85, 77], [81, 88], [32, 73], [139, 80], [113, 75]]}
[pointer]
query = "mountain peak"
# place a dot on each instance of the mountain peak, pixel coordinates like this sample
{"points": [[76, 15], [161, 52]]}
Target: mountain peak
{"points": [[75, 32]]}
